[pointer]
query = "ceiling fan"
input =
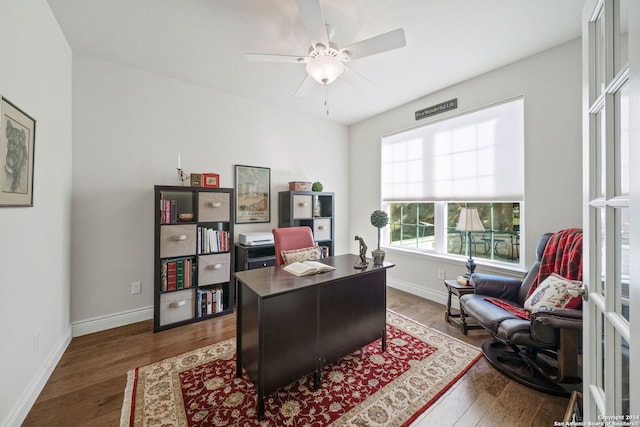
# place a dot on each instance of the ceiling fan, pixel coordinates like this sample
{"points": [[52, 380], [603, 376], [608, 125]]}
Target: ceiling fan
{"points": [[325, 62]]}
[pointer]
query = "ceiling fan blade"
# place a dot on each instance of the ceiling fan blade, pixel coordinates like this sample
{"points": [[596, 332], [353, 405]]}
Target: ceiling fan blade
{"points": [[356, 79], [381, 43], [260, 57], [357, 73], [305, 87], [313, 19]]}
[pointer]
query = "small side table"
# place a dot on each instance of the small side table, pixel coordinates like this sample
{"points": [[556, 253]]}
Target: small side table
{"points": [[455, 288]]}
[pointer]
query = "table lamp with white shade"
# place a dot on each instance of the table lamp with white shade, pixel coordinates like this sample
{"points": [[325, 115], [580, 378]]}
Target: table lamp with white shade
{"points": [[469, 222]]}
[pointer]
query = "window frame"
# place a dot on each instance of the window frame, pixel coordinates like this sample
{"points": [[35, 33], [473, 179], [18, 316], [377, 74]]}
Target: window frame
{"points": [[441, 235], [441, 202]]}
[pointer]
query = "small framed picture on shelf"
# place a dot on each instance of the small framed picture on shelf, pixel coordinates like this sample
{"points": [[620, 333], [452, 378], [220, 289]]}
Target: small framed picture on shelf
{"points": [[253, 194], [17, 141]]}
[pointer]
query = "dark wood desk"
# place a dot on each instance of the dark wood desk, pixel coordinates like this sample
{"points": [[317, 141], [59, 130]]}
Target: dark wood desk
{"points": [[289, 326]]}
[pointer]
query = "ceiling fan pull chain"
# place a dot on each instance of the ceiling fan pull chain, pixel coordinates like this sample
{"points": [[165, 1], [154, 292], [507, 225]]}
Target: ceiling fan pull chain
{"points": [[326, 97]]}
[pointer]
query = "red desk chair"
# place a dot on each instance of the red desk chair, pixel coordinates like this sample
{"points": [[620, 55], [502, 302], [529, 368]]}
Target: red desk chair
{"points": [[291, 238]]}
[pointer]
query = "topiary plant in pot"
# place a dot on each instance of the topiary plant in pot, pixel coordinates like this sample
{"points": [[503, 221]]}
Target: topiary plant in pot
{"points": [[379, 219]]}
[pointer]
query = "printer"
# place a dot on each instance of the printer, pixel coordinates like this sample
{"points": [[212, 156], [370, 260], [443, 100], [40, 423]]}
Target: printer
{"points": [[254, 239]]}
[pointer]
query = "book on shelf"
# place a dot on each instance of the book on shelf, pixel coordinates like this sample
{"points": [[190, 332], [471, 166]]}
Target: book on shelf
{"points": [[163, 276], [194, 273], [209, 296], [186, 270], [307, 268], [172, 276], [201, 307], [180, 274], [176, 274], [209, 301], [211, 240], [168, 210]]}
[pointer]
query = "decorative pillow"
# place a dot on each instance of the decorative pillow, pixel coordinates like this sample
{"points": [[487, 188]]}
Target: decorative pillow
{"points": [[554, 292], [311, 253]]}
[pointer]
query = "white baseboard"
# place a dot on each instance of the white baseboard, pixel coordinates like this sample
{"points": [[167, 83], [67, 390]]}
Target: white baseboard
{"points": [[31, 393], [115, 320], [421, 291], [97, 324]]}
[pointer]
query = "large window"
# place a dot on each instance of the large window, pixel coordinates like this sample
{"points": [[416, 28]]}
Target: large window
{"points": [[412, 225], [471, 160]]}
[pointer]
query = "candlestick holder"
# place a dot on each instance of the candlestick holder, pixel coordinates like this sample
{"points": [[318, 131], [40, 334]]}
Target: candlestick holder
{"points": [[182, 177]]}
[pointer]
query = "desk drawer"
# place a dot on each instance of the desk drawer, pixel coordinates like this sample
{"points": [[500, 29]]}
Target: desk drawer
{"points": [[213, 207], [213, 269], [176, 306], [177, 240], [261, 262]]}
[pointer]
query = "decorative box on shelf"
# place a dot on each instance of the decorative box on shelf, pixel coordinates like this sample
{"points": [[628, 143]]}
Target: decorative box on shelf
{"points": [[299, 186], [208, 180]]}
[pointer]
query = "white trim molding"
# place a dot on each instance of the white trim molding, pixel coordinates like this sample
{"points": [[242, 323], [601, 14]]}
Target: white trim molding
{"points": [[114, 320], [412, 288], [17, 416]]}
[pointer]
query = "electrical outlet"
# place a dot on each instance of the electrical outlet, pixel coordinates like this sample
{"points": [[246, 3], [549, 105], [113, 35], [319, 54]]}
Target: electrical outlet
{"points": [[441, 274], [136, 287]]}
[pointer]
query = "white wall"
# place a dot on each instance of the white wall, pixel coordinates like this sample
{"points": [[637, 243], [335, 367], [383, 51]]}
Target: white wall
{"points": [[129, 127], [35, 74], [550, 83]]}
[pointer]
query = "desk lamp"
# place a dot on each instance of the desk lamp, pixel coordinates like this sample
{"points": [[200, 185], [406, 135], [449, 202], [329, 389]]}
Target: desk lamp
{"points": [[469, 221]]}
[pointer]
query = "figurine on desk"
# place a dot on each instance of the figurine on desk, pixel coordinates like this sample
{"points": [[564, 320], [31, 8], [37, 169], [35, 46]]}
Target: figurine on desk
{"points": [[363, 263]]}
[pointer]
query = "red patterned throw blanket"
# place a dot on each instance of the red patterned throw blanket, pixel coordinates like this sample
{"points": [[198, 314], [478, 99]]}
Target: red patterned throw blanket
{"points": [[562, 255], [515, 310]]}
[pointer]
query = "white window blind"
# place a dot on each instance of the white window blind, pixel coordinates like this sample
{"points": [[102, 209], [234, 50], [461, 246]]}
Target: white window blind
{"points": [[472, 157]]}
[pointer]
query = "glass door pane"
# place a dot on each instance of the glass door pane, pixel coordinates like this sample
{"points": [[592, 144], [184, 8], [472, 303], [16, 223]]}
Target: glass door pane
{"points": [[600, 153], [622, 377], [601, 351], [622, 151], [622, 35], [600, 250], [599, 55], [623, 267]]}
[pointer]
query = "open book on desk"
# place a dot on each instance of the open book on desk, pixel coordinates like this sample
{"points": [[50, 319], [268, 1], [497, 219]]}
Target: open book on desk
{"points": [[307, 268]]}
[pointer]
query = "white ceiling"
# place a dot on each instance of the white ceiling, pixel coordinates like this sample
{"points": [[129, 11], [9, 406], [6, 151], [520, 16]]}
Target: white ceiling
{"points": [[204, 42]]}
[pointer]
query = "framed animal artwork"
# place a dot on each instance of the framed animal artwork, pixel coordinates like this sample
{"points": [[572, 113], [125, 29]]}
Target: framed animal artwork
{"points": [[17, 142]]}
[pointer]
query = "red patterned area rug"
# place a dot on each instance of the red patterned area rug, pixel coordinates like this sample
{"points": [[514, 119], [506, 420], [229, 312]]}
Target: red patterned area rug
{"points": [[366, 388]]}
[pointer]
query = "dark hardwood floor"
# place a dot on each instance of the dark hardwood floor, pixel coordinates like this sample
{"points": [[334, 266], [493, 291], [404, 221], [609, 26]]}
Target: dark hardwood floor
{"points": [[87, 386]]}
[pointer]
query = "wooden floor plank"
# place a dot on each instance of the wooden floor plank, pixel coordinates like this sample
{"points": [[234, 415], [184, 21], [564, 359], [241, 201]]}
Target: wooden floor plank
{"points": [[87, 386]]}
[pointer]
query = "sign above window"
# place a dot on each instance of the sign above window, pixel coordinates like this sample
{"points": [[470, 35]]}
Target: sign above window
{"points": [[451, 104]]}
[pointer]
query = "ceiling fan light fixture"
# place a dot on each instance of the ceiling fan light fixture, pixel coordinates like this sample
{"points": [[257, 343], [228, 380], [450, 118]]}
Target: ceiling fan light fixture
{"points": [[325, 66], [320, 47], [345, 55]]}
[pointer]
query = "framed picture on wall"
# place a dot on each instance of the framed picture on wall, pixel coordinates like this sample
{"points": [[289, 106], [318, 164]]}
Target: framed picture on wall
{"points": [[17, 141], [253, 194]]}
